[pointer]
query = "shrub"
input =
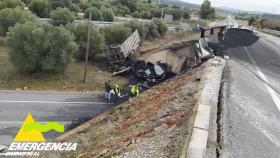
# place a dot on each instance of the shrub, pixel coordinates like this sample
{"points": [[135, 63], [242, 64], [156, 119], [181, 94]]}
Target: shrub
{"points": [[146, 14], [121, 10], [9, 17], [80, 33], [137, 25], [152, 30], [95, 14], [156, 13], [161, 26], [75, 9], [40, 7], [62, 15], [26, 2], [84, 4], [11, 4], [60, 3], [108, 15], [135, 14], [116, 34], [36, 48]]}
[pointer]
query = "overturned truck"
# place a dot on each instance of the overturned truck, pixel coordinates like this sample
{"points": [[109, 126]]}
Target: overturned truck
{"points": [[157, 66]]}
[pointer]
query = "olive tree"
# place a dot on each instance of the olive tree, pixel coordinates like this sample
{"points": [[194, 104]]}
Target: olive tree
{"points": [[37, 48], [80, 33], [96, 14], [116, 34], [161, 26], [40, 7], [62, 16], [108, 14], [9, 17], [11, 4]]}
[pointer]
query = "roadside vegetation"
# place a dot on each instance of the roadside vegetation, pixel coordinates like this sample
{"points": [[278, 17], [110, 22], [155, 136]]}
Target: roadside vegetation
{"points": [[261, 21]]}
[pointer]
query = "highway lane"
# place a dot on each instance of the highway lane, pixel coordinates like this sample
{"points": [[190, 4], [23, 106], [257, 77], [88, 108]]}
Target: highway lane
{"points": [[251, 108], [67, 108]]}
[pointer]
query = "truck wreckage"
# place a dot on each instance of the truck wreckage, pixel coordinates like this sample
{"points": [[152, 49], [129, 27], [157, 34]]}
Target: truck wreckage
{"points": [[158, 66]]}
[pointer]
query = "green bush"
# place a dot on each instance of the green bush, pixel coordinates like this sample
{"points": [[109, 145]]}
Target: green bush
{"points": [[80, 33], [9, 17], [116, 34], [135, 14], [156, 13], [75, 9], [60, 3], [161, 26], [121, 10], [37, 48], [11, 4], [96, 4], [145, 14], [152, 30], [26, 2], [137, 25], [96, 14], [108, 14], [62, 16], [40, 7], [84, 4]]}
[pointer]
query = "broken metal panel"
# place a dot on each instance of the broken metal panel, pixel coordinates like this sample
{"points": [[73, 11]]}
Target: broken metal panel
{"points": [[205, 50], [159, 71], [131, 44]]}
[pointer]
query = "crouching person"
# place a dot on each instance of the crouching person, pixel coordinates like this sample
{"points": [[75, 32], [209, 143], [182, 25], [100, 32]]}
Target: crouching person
{"points": [[134, 90], [117, 90]]}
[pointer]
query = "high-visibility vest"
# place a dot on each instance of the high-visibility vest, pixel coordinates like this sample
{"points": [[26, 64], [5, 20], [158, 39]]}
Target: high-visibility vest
{"points": [[134, 90], [117, 89]]}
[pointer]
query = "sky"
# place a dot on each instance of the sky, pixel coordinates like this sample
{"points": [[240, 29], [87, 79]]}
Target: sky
{"points": [[272, 6]]}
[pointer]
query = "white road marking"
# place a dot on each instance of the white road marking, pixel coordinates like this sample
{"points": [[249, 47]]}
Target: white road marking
{"points": [[272, 93], [49, 102]]}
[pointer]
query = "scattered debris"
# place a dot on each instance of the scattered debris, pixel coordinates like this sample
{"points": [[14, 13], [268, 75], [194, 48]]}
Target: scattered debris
{"points": [[156, 67]]}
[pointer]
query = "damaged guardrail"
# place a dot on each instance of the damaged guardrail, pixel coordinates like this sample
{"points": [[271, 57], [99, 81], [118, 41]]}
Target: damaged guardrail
{"points": [[204, 51]]}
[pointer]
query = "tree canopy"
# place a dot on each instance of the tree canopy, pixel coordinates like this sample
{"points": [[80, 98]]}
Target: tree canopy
{"points": [[62, 15], [9, 17], [36, 48], [11, 4], [96, 40], [206, 11], [40, 7]]}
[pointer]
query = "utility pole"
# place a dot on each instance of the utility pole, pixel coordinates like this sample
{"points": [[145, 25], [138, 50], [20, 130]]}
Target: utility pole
{"points": [[87, 51], [161, 13]]}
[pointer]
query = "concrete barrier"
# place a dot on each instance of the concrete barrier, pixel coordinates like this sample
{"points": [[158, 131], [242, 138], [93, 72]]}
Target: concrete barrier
{"points": [[208, 99], [271, 32]]}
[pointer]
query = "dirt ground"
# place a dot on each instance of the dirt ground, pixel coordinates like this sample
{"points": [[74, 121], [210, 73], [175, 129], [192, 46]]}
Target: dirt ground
{"points": [[156, 124]]}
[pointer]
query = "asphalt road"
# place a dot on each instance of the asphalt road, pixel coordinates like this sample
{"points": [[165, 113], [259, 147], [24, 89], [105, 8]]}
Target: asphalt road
{"points": [[251, 108], [68, 108]]}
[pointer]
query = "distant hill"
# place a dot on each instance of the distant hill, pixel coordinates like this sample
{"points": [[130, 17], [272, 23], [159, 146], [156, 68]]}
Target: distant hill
{"points": [[188, 5], [178, 3], [236, 11]]}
